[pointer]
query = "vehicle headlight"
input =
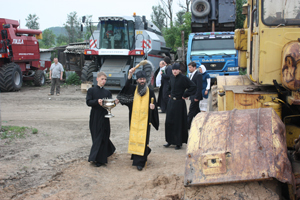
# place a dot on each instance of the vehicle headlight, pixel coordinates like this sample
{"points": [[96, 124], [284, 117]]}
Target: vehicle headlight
{"points": [[233, 69]]}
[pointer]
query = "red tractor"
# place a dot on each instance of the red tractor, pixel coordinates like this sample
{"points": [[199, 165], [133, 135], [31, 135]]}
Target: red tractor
{"points": [[20, 56]]}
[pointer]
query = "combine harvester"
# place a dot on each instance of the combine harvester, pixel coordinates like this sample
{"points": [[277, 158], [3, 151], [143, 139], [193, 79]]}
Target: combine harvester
{"points": [[20, 57], [120, 43]]}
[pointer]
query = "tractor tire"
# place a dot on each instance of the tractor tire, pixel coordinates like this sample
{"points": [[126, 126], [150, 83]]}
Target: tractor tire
{"points": [[84, 73], [149, 71], [200, 8], [39, 78], [10, 77], [87, 71]]}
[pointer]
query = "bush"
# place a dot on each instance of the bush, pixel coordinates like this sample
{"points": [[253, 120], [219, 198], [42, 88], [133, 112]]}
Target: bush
{"points": [[34, 131], [73, 79]]}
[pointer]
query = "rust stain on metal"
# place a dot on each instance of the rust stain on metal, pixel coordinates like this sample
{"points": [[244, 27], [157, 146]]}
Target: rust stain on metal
{"points": [[237, 146]]}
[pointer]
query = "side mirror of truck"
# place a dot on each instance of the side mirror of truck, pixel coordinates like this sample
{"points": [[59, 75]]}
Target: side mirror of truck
{"points": [[83, 19], [4, 34]]}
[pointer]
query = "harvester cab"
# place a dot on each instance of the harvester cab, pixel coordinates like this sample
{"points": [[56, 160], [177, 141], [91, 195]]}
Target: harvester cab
{"points": [[120, 43]]}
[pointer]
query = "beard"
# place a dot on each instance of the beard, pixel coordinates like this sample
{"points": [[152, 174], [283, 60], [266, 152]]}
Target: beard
{"points": [[142, 89]]}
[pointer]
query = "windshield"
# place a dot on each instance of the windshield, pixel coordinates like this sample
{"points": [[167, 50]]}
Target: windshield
{"points": [[213, 47], [114, 35], [285, 12]]}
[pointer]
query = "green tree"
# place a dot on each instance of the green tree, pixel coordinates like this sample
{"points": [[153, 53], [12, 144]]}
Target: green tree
{"points": [[240, 18], [172, 35], [32, 22], [167, 10], [179, 17], [158, 17], [61, 40], [48, 39], [73, 27]]}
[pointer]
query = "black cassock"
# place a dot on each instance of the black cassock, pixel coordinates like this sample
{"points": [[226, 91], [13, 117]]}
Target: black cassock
{"points": [[176, 128], [99, 126], [194, 106], [163, 97], [129, 91]]}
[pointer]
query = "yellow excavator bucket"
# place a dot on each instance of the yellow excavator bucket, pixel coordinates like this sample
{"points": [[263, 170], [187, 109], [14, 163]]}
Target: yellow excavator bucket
{"points": [[237, 146]]}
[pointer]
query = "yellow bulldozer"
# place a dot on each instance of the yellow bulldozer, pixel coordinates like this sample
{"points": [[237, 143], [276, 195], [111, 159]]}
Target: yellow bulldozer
{"points": [[250, 146]]}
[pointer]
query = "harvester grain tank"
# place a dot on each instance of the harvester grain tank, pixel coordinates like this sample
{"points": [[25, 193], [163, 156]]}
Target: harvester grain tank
{"points": [[259, 113], [120, 43], [20, 56]]}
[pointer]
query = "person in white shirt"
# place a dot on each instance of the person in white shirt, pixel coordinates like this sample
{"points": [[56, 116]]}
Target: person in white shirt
{"points": [[205, 88], [55, 75], [161, 83]]}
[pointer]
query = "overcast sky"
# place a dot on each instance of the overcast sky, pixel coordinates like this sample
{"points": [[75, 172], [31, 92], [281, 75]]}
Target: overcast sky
{"points": [[54, 13]]}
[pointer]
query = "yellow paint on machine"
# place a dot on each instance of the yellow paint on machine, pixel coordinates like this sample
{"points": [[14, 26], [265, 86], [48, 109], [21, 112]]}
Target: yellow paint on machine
{"points": [[292, 128], [229, 80]]}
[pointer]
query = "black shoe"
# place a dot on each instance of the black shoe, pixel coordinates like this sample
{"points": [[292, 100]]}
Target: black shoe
{"points": [[99, 164], [167, 145], [140, 168], [177, 147]]}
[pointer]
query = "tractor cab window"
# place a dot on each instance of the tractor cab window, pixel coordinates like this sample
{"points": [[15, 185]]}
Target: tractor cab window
{"points": [[114, 35], [131, 35], [281, 12]]}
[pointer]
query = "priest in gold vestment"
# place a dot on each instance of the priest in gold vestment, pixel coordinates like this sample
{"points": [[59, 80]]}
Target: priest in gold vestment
{"points": [[142, 114]]}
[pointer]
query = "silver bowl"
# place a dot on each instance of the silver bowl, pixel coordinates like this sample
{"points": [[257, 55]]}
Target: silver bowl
{"points": [[109, 104]]}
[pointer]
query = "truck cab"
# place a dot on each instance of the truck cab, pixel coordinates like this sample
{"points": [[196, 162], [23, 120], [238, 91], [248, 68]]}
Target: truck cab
{"points": [[214, 50]]}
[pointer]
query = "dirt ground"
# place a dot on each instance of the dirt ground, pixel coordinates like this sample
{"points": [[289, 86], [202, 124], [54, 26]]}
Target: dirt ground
{"points": [[53, 163]]}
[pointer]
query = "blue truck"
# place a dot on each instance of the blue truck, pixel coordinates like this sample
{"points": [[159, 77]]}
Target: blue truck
{"points": [[214, 50], [211, 41]]}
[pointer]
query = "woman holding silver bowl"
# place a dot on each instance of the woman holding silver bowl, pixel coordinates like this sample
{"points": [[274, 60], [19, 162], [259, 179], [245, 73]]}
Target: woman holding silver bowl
{"points": [[99, 125]]}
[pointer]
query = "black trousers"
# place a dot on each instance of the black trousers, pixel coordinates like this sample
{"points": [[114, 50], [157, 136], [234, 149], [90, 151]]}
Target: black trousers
{"points": [[193, 111]]}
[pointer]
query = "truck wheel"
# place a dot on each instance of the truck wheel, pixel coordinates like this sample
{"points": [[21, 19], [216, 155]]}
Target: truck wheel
{"points": [[87, 71], [200, 8], [10, 77], [39, 78]]}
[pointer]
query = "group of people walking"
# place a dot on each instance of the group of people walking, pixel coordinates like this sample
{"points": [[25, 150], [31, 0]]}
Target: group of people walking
{"points": [[174, 89]]}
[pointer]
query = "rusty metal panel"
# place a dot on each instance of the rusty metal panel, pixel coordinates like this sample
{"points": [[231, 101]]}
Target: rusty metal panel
{"points": [[237, 146], [226, 81], [248, 96]]}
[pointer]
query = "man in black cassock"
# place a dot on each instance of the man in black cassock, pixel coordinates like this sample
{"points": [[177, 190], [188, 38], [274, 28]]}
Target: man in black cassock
{"points": [[181, 87], [99, 125], [129, 94], [196, 77], [163, 90]]}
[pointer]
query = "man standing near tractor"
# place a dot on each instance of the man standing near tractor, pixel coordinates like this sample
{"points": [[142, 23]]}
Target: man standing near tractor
{"points": [[55, 75]]}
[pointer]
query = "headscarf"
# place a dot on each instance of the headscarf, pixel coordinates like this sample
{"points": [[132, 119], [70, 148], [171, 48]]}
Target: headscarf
{"points": [[203, 68]]}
